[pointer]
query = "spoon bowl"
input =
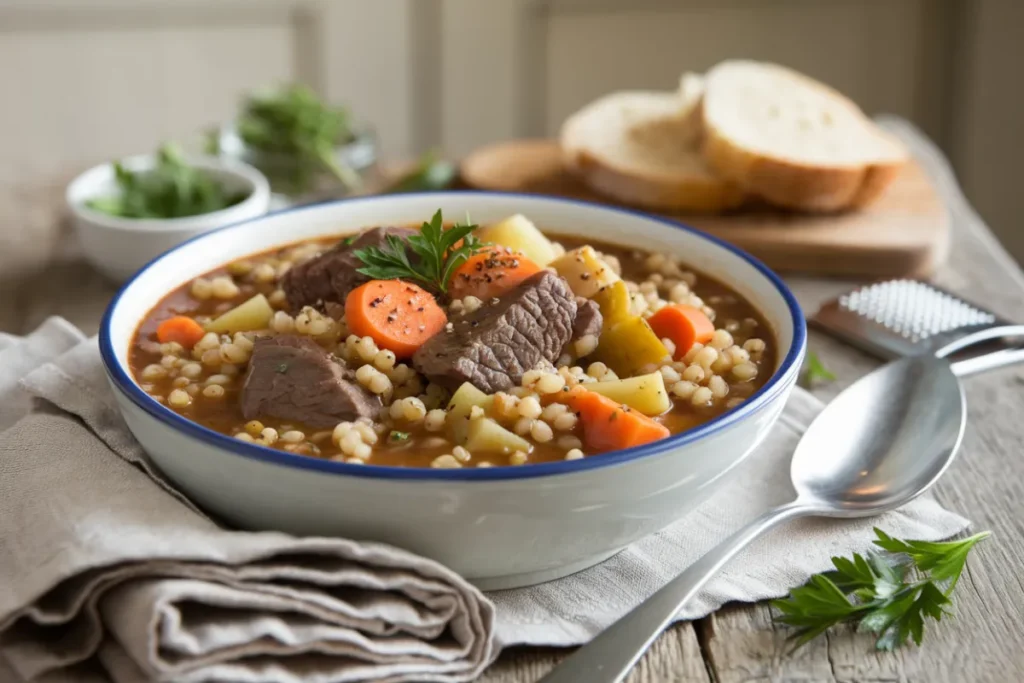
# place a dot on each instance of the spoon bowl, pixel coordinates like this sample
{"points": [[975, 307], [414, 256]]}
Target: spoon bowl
{"points": [[883, 441], [878, 445]]}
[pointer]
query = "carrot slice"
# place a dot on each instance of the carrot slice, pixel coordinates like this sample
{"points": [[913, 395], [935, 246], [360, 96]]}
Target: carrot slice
{"points": [[181, 329], [398, 316], [609, 425], [684, 325], [490, 272]]}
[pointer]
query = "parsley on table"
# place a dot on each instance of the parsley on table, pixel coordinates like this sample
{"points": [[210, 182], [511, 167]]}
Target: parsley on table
{"points": [[431, 173], [887, 594], [815, 371], [171, 189], [436, 253]]}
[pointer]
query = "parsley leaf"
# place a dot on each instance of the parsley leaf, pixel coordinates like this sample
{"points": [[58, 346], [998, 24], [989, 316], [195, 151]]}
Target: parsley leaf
{"points": [[815, 371], [943, 561], [396, 435], [888, 594], [437, 251]]}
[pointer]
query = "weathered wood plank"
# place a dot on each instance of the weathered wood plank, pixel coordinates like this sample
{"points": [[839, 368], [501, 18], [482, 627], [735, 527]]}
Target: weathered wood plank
{"points": [[674, 658]]}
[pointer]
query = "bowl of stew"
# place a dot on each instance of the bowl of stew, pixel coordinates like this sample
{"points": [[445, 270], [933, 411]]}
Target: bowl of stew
{"points": [[517, 386]]}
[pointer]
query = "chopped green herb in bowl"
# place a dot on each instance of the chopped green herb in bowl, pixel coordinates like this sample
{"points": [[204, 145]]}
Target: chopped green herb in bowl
{"points": [[171, 189], [127, 212]]}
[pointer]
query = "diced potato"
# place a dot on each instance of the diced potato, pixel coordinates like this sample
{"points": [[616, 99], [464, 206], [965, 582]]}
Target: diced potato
{"points": [[614, 302], [585, 272], [487, 436], [461, 403], [517, 232], [645, 393], [254, 314], [630, 345]]}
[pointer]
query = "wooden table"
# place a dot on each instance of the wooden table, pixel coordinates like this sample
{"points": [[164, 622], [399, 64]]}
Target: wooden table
{"points": [[40, 275]]}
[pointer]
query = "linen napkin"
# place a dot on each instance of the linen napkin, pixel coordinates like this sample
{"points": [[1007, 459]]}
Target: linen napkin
{"points": [[156, 590], [98, 564]]}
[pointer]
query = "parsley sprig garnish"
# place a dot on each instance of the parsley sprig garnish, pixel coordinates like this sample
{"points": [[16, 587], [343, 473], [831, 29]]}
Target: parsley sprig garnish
{"points": [[888, 594], [435, 254]]}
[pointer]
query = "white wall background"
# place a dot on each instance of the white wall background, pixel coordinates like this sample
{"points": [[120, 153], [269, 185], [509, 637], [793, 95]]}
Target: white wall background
{"points": [[82, 81]]}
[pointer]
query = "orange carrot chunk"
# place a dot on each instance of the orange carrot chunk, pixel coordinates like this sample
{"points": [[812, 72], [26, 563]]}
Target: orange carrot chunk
{"points": [[490, 272], [397, 315], [684, 325], [609, 425], [181, 329]]}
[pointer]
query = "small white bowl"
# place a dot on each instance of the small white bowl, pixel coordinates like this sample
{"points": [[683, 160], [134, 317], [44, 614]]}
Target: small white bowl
{"points": [[500, 527], [118, 247]]}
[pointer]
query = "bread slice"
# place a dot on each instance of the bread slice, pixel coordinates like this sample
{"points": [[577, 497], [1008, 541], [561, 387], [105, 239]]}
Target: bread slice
{"points": [[641, 148], [792, 140]]}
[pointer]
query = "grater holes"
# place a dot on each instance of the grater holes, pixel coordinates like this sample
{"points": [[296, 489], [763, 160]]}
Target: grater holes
{"points": [[912, 309]]}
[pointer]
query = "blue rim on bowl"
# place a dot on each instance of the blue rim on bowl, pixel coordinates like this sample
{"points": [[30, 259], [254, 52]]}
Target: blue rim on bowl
{"points": [[757, 400]]}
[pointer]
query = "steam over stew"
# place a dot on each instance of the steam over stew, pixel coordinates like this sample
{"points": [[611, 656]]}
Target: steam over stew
{"points": [[453, 346]]}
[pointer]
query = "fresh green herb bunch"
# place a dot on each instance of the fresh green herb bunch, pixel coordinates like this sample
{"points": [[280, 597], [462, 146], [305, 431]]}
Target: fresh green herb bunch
{"points": [[888, 594], [173, 189], [291, 121], [436, 253]]}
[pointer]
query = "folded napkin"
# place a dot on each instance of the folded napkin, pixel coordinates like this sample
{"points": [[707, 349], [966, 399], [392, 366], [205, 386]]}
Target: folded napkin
{"points": [[113, 573], [98, 563]]}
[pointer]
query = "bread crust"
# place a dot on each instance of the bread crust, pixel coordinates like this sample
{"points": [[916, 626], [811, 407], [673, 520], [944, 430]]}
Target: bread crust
{"points": [[693, 194], [635, 182], [792, 184]]}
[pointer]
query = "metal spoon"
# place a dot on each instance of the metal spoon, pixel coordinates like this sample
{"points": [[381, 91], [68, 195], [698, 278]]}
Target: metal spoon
{"points": [[879, 444]]}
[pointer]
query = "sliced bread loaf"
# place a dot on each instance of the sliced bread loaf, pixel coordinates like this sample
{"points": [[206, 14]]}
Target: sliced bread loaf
{"points": [[641, 148], [792, 140]]}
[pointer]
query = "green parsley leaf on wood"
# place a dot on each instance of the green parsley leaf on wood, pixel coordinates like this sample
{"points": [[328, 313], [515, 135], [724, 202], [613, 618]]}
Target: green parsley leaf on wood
{"points": [[815, 371], [888, 594]]}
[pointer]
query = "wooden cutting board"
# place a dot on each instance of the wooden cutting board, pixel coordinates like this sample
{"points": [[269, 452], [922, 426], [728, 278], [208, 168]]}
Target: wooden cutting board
{"points": [[903, 233]]}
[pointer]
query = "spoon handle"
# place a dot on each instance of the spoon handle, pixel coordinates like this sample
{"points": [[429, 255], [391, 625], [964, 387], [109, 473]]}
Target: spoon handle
{"points": [[988, 361], [610, 656]]}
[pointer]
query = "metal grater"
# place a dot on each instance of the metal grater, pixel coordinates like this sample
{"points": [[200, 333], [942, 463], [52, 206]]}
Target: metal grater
{"points": [[897, 318]]}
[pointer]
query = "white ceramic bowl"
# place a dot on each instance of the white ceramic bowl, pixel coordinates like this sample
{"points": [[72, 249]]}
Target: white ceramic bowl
{"points": [[118, 247], [499, 527]]}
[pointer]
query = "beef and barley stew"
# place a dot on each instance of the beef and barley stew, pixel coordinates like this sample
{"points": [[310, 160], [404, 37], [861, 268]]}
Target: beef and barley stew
{"points": [[453, 346]]}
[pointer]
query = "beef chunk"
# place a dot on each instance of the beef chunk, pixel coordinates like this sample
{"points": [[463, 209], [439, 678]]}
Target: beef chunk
{"points": [[293, 378], [588, 319], [332, 275], [496, 344]]}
